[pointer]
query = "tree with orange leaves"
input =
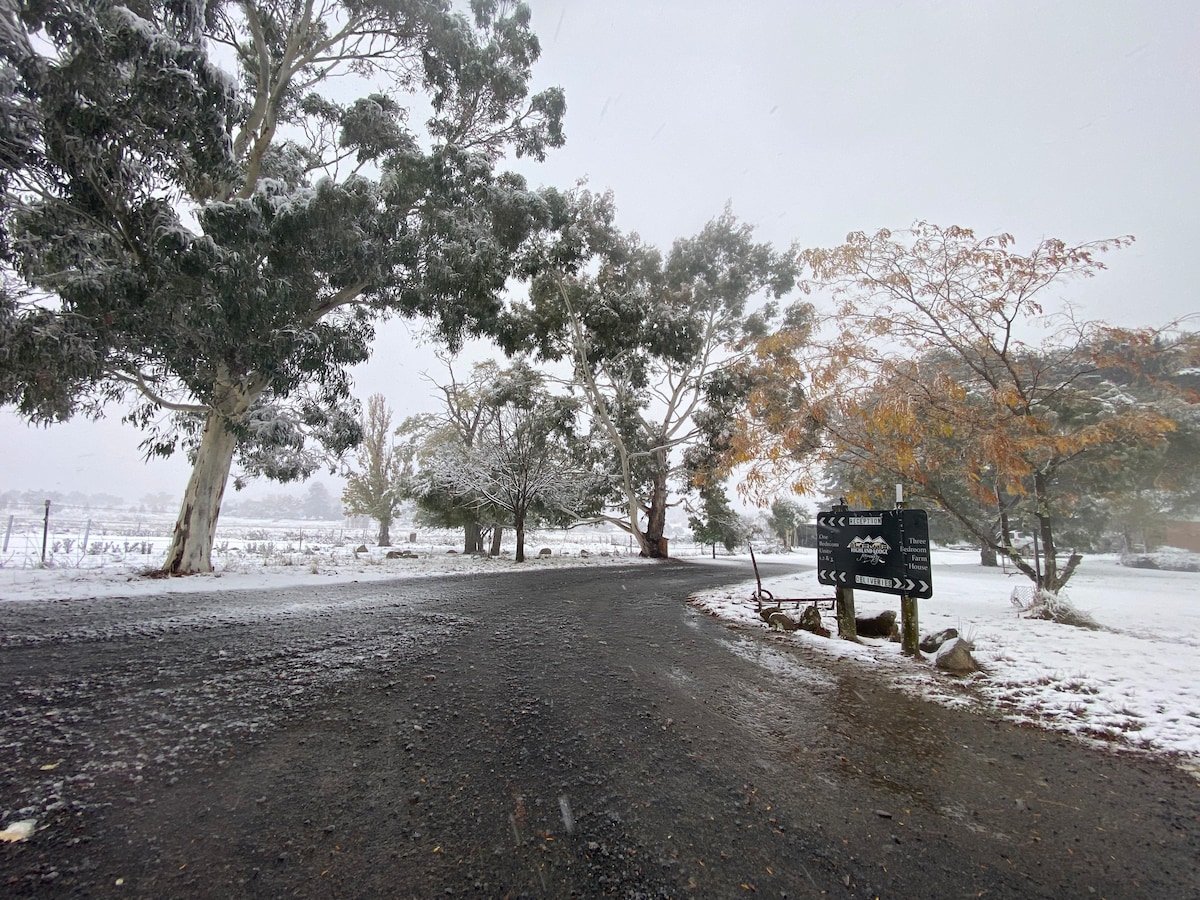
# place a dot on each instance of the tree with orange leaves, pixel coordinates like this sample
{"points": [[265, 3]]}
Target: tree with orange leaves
{"points": [[940, 368]]}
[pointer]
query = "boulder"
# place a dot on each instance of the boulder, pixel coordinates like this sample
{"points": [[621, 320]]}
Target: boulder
{"points": [[583, 554], [394, 554], [931, 642], [361, 548], [782, 622], [544, 552], [810, 620], [954, 656], [880, 626]]}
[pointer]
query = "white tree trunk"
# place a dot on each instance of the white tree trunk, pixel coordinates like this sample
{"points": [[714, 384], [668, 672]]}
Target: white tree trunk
{"points": [[195, 528], [599, 406], [656, 517]]}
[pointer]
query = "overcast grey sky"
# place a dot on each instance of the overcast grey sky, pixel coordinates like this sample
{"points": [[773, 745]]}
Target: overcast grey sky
{"points": [[1078, 120]]}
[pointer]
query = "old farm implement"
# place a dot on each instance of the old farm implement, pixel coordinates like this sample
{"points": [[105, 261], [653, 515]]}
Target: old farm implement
{"points": [[767, 601]]}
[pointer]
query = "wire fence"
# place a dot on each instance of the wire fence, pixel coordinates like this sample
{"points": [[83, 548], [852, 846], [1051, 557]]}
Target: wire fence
{"points": [[81, 537], [53, 537]]}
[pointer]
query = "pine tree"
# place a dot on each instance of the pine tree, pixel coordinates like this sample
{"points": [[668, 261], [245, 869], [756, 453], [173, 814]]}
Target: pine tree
{"points": [[718, 522]]}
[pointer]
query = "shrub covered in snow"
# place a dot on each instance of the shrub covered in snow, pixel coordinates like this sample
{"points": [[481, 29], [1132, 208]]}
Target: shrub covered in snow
{"points": [[1057, 608], [1169, 559]]}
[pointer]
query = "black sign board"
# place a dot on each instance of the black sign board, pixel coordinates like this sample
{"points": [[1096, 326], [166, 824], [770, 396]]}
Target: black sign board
{"points": [[885, 550]]}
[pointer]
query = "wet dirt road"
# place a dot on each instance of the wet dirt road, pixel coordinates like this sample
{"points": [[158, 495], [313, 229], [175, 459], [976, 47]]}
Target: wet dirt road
{"points": [[569, 732]]}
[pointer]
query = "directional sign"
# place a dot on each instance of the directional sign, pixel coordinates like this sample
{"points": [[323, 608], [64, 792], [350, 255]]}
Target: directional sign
{"points": [[914, 545], [875, 550]]}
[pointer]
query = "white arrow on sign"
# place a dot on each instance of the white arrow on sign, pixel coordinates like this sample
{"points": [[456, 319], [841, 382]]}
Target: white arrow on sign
{"points": [[842, 576], [924, 586]]}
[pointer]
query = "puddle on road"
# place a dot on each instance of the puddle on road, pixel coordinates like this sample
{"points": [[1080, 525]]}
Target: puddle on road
{"points": [[813, 719]]}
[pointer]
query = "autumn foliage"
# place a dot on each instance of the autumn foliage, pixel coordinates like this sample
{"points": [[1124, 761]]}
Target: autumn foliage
{"points": [[940, 367]]}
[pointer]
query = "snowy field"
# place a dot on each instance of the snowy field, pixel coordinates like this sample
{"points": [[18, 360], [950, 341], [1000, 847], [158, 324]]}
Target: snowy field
{"points": [[1135, 683], [106, 555]]}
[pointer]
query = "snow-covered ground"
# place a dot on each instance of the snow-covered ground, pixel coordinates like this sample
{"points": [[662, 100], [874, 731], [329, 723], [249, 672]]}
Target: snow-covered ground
{"points": [[118, 579], [1135, 683], [89, 559]]}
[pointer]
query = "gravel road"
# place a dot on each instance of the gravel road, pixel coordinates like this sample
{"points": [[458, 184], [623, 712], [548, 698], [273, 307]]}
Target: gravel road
{"points": [[555, 733]]}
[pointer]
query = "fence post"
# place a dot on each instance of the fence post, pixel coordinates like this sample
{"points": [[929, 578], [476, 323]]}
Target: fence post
{"points": [[8, 533], [45, 531]]}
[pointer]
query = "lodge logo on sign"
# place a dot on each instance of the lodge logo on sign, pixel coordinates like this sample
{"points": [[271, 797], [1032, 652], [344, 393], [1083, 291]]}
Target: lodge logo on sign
{"points": [[869, 549]]}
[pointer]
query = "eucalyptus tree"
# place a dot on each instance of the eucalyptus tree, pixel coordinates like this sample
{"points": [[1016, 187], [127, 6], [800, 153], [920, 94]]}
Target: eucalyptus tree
{"points": [[654, 340], [196, 219], [785, 519]]}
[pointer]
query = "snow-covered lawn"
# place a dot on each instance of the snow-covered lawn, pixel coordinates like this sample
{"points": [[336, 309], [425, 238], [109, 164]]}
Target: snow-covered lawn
{"points": [[125, 581], [1135, 683], [255, 554]]}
